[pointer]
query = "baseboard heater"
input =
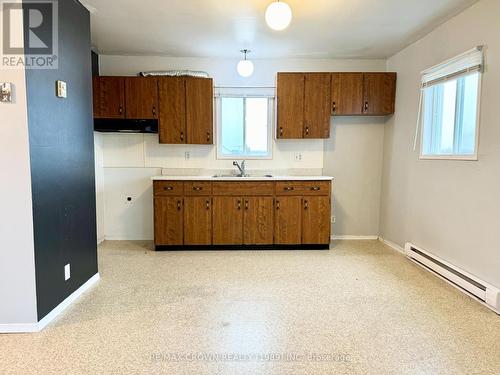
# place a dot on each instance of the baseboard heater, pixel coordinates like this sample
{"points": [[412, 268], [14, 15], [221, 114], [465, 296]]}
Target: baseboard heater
{"points": [[479, 289]]}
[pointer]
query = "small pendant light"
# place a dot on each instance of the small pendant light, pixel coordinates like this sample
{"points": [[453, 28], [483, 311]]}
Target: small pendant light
{"points": [[245, 67]]}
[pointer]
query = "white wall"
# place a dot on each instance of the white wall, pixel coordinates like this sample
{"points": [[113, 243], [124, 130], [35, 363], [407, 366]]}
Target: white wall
{"points": [[450, 208], [129, 160], [354, 156], [17, 258]]}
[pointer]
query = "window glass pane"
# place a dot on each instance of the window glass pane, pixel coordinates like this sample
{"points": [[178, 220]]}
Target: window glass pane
{"points": [[467, 117], [445, 146], [256, 126], [244, 127], [450, 117], [232, 117]]}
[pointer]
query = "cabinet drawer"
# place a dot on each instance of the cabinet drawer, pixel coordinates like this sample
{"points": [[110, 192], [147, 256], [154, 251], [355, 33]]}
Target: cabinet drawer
{"points": [[197, 188], [243, 188], [303, 188], [168, 188]]}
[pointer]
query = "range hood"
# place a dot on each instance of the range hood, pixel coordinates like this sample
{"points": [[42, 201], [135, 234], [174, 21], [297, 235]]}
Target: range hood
{"points": [[125, 126]]}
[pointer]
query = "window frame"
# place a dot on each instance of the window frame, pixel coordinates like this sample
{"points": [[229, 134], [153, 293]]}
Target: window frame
{"points": [[270, 125], [454, 156]]}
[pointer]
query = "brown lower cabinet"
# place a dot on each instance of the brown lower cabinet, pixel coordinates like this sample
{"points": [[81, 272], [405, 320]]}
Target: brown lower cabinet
{"points": [[169, 221], [242, 213], [287, 225], [197, 220]]}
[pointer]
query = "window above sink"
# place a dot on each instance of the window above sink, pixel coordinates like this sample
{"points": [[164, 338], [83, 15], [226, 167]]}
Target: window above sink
{"points": [[244, 123]]}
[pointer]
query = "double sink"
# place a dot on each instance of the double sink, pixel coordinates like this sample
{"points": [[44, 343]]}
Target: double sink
{"points": [[239, 176]]}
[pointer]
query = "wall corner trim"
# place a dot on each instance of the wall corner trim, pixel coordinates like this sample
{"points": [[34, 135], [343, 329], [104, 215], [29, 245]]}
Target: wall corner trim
{"points": [[393, 245], [37, 327]]}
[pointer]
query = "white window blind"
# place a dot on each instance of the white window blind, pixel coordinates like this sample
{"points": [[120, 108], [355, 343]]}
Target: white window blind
{"points": [[466, 63]]}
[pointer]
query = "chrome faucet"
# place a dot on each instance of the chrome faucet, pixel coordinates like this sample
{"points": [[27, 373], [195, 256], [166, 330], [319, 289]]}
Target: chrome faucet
{"points": [[241, 168]]}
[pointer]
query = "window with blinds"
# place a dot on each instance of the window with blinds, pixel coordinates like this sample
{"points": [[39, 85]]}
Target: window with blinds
{"points": [[449, 108]]}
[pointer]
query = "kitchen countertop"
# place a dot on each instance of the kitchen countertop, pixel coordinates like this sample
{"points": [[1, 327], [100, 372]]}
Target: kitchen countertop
{"points": [[251, 178]]}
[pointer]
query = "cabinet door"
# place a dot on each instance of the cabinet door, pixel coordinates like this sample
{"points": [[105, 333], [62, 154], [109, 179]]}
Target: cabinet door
{"points": [[169, 221], [316, 220], [290, 95], [347, 93], [199, 110], [379, 93], [227, 221], [287, 221], [317, 110], [111, 97], [96, 96], [141, 98], [197, 221], [258, 221], [172, 110]]}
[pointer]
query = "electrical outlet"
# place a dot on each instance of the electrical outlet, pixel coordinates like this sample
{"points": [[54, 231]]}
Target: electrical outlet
{"points": [[334, 219], [298, 157], [187, 155], [67, 272]]}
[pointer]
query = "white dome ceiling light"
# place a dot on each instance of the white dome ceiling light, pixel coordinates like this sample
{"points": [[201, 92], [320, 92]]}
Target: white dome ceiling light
{"points": [[245, 67], [278, 15]]}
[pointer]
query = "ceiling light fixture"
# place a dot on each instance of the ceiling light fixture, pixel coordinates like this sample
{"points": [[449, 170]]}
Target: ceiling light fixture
{"points": [[245, 67], [278, 15]]}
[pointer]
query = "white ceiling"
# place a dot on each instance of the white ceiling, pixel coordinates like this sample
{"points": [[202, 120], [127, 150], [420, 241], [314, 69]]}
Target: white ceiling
{"points": [[220, 28]]}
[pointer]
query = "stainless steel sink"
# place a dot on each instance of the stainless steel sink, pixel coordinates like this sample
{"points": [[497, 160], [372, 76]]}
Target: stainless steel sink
{"points": [[237, 176]]}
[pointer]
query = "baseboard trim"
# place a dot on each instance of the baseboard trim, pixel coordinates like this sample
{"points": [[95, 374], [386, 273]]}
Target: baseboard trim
{"points": [[37, 327], [354, 238], [393, 245], [126, 238], [101, 240]]}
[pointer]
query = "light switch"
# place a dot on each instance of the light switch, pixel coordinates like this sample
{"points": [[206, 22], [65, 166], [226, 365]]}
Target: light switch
{"points": [[6, 92], [67, 272], [61, 89]]}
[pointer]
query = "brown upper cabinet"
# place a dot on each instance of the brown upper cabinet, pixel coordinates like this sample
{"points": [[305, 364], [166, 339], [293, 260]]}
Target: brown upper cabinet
{"points": [[303, 105], [186, 110], [141, 98], [363, 94], [347, 94], [110, 97], [379, 93]]}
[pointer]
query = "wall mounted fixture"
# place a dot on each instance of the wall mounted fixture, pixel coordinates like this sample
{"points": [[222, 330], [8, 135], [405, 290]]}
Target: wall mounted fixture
{"points": [[245, 67], [5, 92], [278, 15]]}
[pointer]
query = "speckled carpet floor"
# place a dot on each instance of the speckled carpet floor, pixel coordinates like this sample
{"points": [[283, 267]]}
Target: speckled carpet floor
{"points": [[360, 308]]}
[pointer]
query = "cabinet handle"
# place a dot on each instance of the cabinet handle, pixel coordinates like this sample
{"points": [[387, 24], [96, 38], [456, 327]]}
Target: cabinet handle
{"points": [[281, 131], [120, 110], [246, 205], [239, 205], [179, 204], [154, 111], [168, 188], [289, 188], [277, 205], [366, 107], [197, 188], [315, 188], [208, 205], [182, 136], [208, 136], [334, 107], [306, 205], [307, 130]]}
